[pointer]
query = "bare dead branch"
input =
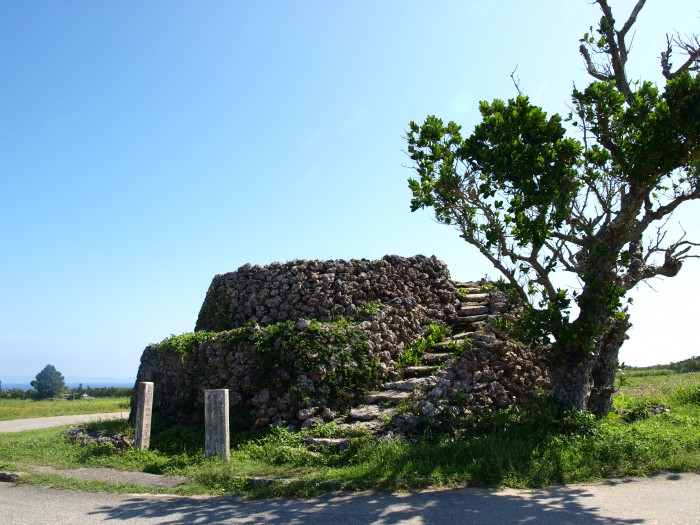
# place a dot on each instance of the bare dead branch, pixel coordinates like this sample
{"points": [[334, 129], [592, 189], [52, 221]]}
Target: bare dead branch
{"points": [[664, 210], [591, 67], [690, 45], [516, 83], [632, 19]]}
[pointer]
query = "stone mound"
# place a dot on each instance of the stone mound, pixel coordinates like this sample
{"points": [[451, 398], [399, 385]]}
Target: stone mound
{"points": [[301, 343]]}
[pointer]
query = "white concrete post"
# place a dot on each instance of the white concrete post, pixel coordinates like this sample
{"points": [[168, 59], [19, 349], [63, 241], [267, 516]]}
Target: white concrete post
{"points": [[144, 411], [216, 426]]}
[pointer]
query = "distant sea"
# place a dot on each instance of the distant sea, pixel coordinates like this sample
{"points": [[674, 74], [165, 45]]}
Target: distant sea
{"points": [[92, 384]]}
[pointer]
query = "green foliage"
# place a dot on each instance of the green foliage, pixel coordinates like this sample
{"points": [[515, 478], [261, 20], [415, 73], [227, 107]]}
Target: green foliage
{"points": [[339, 348], [534, 201], [333, 430], [185, 344], [488, 287], [687, 395], [103, 391], [636, 410], [534, 446], [337, 353], [412, 353], [691, 364], [49, 383], [519, 167], [368, 308]]}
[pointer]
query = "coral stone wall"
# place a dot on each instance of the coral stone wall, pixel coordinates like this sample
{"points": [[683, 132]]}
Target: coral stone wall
{"points": [[383, 305], [326, 289]]}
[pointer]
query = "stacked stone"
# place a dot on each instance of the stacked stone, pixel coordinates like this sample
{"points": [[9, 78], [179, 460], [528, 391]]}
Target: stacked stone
{"points": [[413, 292], [494, 373], [418, 286]]}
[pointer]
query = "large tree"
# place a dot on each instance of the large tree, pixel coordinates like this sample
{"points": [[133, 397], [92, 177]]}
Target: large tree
{"points": [[49, 382], [594, 202]]}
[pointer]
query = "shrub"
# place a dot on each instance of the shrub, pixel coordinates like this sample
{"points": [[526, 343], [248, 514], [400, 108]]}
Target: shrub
{"points": [[687, 395]]}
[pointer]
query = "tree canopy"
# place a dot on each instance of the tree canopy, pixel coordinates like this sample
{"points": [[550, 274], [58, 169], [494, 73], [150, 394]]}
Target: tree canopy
{"points": [[48, 383], [589, 194]]}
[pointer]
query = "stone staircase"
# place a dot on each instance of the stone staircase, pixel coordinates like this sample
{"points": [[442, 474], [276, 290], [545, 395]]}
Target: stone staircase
{"points": [[381, 406]]}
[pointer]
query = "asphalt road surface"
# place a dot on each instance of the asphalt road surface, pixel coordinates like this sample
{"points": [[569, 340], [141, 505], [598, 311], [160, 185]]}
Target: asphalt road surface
{"points": [[663, 499], [18, 425]]}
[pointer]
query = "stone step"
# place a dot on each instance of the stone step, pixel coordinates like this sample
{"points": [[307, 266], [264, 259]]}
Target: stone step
{"points": [[339, 443], [471, 319], [474, 298], [461, 336], [435, 358], [406, 384], [419, 371], [450, 341], [467, 284], [473, 309], [373, 426], [387, 396], [370, 413]]}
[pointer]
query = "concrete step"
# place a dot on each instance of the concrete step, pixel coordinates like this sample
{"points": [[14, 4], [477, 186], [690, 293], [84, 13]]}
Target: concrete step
{"points": [[371, 412], [419, 371], [435, 358], [405, 385], [387, 396], [473, 309]]}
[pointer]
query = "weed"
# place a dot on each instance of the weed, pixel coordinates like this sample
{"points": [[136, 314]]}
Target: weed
{"points": [[367, 309], [412, 353], [185, 344], [687, 394]]}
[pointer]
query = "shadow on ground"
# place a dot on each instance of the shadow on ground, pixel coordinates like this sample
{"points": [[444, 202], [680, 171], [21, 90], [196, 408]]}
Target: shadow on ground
{"points": [[557, 505]]}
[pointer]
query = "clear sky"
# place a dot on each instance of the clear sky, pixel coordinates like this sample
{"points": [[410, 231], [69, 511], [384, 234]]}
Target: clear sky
{"points": [[147, 146]]}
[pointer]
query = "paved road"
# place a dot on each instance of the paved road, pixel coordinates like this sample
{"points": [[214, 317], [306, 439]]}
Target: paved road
{"points": [[17, 425], [663, 499]]}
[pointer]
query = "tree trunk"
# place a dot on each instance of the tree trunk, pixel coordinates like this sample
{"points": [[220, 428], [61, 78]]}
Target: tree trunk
{"points": [[605, 366], [571, 382]]}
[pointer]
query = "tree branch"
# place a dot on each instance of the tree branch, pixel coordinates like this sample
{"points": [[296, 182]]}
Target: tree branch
{"points": [[617, 51], [591, 68], [662, 211], [632, 19], [692, 47]]}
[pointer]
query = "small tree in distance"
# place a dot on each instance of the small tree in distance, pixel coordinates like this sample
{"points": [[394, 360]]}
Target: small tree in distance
{"points": [[48, 383], [534, 201]]}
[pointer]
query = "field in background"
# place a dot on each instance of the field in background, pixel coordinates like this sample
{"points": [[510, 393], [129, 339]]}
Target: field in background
{"points": [[27, 408]]}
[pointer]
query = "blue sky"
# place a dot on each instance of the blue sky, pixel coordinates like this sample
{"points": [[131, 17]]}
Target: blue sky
{"points": [[147, 146]]}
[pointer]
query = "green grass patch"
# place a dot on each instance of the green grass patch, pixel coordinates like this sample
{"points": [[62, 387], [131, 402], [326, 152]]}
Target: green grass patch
{"points": [[27, 408], [657, 430], [656, 386]]}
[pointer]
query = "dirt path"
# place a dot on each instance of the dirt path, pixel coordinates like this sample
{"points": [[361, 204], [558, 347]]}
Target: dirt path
{"points": [[18, 425]]}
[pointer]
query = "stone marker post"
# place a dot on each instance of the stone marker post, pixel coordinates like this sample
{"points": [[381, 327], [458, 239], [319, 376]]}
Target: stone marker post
{"points": [[144, 410], [216, 426]]}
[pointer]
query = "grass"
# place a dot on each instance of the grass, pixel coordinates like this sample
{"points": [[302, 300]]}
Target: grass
{"points": [[27, 408], [530, 448], [656, 386]]}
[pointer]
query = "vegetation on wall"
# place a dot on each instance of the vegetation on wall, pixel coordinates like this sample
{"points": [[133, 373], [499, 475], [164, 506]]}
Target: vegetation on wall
{"points": [[337, 354]]}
